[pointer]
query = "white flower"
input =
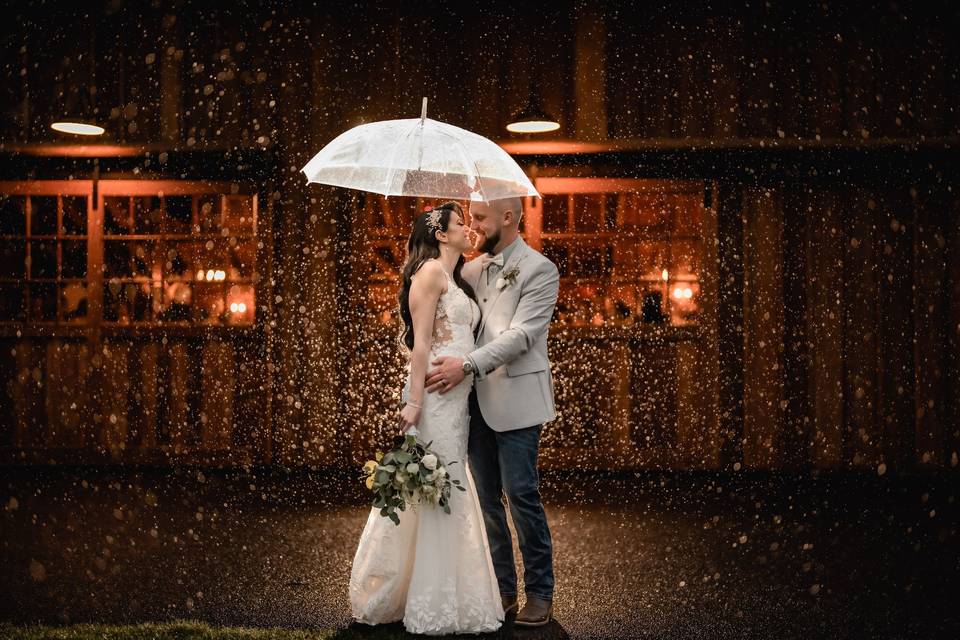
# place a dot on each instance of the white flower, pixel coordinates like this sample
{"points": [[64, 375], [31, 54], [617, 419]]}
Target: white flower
{"points": [[431, 476], [508, 277], [442, 472], [413, 468], [427, 490], [429, 461]]}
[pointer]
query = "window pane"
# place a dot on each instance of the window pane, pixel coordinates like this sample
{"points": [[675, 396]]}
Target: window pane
{"points": [[43, 301], [74, 215], [176, 302], [73, 301], [13, 255], [588, 211], [43, 216], [129, 259], [555, 213], [125, 302], [179, 214], [145, 259], [243, 260], [43, 259], [13, 215], [116, 216], [209, 216], [647, 211], [208, 302], [12, 302], [181, 262], [238, 214], [611, 203], [688, 214], [645, 260], [593, 262], [686, 259], [557, 252], [147, 214], [74, 256]]}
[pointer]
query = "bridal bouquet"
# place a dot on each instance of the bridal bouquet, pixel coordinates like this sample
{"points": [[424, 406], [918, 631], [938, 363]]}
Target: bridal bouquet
{"points": [[408, 475]]}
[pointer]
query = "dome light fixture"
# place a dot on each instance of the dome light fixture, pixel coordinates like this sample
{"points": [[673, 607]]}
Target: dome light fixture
{"points": [[533, 118], [77, 128]]}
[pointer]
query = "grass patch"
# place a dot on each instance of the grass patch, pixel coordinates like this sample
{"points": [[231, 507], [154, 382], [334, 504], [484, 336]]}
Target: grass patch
{"points": [[187, 629]]}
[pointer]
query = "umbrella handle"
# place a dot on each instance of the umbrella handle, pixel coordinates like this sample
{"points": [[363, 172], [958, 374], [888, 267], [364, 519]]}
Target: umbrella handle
{"points": [[423, 111]]}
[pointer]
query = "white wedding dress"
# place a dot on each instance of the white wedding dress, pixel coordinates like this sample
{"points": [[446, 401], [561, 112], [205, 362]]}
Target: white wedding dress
{"points": [[434, 569]]}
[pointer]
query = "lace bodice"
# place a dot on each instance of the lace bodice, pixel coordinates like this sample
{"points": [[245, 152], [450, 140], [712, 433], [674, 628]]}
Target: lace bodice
{"points": [[454, 322]]}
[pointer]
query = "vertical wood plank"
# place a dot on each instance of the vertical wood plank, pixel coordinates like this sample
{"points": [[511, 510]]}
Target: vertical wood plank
{"points": [[895, 239], [860, 349], [730, 313], [953, 332], [931, 313], [115, 400], [826, 294], [28, 394], [590, 75], [794, 437], [218, 385], [763, 326], [177, 417], [147, 425], [704, 441], [53, 398]]}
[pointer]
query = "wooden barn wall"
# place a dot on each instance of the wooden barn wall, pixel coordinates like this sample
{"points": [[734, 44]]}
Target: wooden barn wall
{"points": [[849, 296], [850, 326]]}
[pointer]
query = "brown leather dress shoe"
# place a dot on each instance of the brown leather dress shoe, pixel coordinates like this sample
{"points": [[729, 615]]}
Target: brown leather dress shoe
{"points": [[536, 612], [509, 604]]}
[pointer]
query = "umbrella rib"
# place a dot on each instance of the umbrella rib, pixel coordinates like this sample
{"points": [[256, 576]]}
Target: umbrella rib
{"points": [[391, 168], [463, 151]]}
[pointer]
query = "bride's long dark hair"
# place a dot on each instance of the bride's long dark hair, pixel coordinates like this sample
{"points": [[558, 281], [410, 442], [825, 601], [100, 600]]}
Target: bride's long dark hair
{"points": [[422, 245]]}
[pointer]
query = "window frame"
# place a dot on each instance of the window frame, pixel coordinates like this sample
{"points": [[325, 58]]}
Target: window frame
{"points": [[96, 191]]}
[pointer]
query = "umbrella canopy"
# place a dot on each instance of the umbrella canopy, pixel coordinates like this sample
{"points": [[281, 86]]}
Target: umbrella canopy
{"points": [[419, 157]]}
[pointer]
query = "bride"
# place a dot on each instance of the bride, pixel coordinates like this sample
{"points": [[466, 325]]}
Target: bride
{"points": [[433, 570]]}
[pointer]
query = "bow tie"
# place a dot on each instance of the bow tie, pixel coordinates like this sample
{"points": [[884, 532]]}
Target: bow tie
{"points": [[486, 260]]}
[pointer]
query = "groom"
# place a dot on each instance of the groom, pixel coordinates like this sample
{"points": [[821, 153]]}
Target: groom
{"points": [[512, 397]]}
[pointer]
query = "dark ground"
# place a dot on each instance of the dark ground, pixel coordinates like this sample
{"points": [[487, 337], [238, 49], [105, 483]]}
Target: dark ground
{"points": [[651, 555]]}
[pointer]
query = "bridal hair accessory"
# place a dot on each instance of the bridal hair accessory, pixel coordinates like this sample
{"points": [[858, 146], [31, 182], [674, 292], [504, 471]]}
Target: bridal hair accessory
{"points": [[433, 220]]}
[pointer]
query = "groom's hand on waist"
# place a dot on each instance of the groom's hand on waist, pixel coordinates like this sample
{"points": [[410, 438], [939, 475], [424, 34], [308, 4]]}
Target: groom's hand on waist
{"points": [[446, 374]]}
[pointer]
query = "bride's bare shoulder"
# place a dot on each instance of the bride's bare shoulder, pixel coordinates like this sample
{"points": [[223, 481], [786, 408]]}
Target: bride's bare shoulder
{"points": [[433, 274]]}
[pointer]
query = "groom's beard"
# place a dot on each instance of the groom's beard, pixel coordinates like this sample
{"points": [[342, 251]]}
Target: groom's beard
{"points": [[489, 243]]}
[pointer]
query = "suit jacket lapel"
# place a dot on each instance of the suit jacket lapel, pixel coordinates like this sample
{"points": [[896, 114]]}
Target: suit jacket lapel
{"points": [[518, 254]]}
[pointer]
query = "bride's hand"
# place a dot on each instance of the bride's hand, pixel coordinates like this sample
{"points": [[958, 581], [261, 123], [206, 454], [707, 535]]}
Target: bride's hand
{"points": [[409, 417]]}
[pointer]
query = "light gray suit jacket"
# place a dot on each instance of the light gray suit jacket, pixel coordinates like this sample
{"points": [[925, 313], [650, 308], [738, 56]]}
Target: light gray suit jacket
{"points": [[514, 384]]}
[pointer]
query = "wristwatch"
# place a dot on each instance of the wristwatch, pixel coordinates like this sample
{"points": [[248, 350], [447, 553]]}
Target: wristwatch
{"points": [[467, 367]]}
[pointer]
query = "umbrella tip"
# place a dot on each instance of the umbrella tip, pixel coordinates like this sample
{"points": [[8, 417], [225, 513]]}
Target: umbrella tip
{"points": [[423, 110]]}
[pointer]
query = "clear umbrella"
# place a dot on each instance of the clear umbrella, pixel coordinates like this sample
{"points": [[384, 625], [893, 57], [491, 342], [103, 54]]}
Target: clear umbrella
{"points": [[419, 157]]}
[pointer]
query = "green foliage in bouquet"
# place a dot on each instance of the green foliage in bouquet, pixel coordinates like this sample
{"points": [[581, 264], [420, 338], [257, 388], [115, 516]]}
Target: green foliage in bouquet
{"points": [[407, 475]]}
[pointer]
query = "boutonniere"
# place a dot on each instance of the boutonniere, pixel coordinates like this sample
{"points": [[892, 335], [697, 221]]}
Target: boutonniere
{"points": [[508, 278]]}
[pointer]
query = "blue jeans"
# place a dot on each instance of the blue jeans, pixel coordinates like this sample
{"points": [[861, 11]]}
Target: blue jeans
{"points": [[507, 463]]}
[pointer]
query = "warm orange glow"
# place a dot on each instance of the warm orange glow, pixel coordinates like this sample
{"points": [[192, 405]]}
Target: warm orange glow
{"points": [[533, 126], [240, 304], [78, 128]]}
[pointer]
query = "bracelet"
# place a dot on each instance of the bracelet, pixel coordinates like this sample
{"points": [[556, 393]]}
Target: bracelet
{"points": [[414, 404]]}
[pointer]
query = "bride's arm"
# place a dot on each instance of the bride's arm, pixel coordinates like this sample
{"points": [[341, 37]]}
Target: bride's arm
{"points": [[425, 290]]}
